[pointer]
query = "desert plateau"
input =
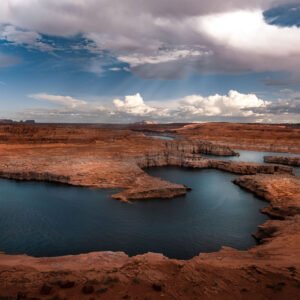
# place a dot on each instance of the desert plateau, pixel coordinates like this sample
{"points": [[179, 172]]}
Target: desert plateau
{"points": [[102, 157]]}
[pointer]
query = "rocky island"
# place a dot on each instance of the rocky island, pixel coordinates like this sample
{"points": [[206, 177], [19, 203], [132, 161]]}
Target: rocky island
{"points": [[115, 157]]}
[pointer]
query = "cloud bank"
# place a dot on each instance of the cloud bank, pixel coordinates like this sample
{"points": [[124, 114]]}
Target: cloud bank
{"points": [[157, 38], [238, 106]]}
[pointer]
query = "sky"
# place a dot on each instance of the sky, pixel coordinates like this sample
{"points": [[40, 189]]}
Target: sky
{"points": [[111, 61]]}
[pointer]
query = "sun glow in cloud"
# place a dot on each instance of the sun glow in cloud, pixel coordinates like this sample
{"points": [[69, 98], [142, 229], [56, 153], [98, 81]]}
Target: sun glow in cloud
{"points": [[249, 32]]}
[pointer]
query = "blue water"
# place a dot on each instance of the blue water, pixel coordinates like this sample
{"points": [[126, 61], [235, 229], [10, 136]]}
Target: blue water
{"points": [[43, 219], [160, 136], [254, 156]]}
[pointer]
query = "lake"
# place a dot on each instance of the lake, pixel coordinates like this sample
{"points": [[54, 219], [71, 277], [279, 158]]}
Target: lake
{"points": [[43, 219], [160, 136]]}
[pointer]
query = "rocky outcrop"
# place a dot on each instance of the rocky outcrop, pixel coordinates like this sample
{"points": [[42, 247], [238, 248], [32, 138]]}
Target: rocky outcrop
{"points": [[151, 193], [283, 160], [31, 175], [178, 152], [282, 191], [189, 160], [200, 147], [148, 187], [246, 168]]}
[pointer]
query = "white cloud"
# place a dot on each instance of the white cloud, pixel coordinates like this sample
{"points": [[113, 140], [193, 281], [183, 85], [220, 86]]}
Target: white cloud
{"points": [[134, 105], [248, 31], [66, 101], [162, 56], [234, 104]]}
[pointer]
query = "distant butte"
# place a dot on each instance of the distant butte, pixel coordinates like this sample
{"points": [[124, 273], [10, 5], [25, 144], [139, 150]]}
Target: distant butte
{"points": [[113, 156]]}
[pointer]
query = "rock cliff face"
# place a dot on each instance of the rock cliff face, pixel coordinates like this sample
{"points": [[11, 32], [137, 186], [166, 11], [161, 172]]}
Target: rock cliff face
{"points": [[100, 165], [179, 152], [283, 160], [31, 175], [261, 137]]}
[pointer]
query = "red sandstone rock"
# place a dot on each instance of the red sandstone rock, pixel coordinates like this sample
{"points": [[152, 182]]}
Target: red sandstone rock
{"points": [[113, 158], [283, 160]]}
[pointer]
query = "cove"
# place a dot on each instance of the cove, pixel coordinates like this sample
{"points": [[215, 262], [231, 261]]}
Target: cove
{"points": [[43, 219]]}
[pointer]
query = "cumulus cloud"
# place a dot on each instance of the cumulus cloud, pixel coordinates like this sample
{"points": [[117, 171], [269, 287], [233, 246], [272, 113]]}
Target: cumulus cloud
{"points": [[234, 104], [238, 106], [134, 105]]}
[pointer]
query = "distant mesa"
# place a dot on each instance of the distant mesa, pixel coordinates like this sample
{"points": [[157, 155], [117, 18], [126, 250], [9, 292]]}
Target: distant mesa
{"points": [[8, 121], [28, 121]]}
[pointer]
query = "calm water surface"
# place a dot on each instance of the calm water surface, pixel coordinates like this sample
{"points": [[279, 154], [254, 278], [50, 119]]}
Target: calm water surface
{"points": [[160, 136], [43, 219]]}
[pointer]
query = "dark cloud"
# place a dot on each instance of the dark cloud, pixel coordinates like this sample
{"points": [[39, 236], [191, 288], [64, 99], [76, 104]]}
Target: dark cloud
{"points": [[280, 107], [143, 27]]}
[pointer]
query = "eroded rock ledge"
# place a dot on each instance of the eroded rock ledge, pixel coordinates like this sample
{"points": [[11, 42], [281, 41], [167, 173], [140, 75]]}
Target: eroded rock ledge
{"points": [[90, 166], [152, 188], [283, 160], [275, 189]]}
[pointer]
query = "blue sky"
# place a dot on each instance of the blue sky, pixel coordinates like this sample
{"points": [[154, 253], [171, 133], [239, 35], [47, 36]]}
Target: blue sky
{"points": [[70, 61]]}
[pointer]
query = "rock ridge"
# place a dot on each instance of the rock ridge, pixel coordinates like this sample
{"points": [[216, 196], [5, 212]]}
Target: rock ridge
{"points": [[283, 160]]}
